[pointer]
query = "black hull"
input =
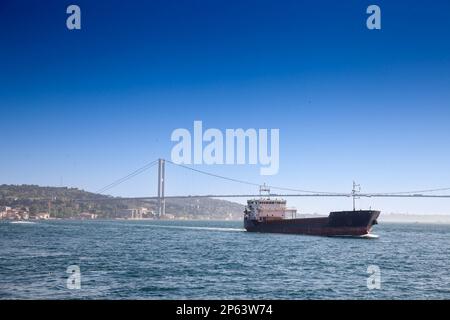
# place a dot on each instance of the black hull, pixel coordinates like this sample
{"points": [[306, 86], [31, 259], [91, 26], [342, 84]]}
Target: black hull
{"points": [[342, 223]]}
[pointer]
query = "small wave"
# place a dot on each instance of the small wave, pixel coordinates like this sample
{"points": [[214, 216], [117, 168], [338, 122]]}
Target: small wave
{"points": [[23, 222], [370, 236]]}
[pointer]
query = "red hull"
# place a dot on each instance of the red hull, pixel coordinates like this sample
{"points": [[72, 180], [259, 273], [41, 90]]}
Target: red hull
{"points": [[344, 223]]}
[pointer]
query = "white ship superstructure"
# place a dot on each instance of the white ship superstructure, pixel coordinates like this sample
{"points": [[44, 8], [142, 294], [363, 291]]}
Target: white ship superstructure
{"points": [[267, 209]]}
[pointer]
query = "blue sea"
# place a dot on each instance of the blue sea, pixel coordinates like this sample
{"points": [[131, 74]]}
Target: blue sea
{"points": [[218, 260]]}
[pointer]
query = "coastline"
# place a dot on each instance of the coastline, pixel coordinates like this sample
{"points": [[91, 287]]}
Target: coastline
{"points": [[388, 218]]}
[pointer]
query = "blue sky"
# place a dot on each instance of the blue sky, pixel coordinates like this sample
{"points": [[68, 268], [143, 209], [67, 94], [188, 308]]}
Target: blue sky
{"points": [[86, 107]]}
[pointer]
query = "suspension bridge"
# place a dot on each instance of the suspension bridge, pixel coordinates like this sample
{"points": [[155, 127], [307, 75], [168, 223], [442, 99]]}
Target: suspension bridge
{"points": [[161, 197]]}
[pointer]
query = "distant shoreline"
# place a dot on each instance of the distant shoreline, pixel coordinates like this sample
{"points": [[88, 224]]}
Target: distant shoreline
{"points": [[414, 218]]}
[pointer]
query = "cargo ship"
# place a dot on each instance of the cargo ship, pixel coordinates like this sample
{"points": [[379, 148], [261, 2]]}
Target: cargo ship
{"points": [[272, 215]]}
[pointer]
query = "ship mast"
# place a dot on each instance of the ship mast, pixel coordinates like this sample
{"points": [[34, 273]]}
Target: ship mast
{"points": [[355, 190], [264, 188]]}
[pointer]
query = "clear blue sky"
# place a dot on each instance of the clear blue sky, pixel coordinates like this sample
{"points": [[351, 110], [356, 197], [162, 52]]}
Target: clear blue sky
{"points": [[86, 107]]}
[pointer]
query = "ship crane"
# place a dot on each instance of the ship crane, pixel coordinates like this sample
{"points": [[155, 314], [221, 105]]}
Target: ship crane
{"points": [[264, 188], [355, 193]]}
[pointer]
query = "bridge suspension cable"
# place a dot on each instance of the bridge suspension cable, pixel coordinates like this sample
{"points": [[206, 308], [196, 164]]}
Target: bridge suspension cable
{"points": [[308, 191], [127, 177], [413, 192], [147, 166], [248, 182]]}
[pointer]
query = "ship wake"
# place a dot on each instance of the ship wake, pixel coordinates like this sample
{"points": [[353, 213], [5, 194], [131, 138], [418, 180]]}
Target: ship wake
{"points": [[197, 228]]}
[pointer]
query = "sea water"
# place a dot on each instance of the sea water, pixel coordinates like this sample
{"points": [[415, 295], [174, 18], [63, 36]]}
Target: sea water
{"points": [[218, 260]]}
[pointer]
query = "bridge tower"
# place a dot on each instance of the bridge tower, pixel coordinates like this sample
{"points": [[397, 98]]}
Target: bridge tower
{"points": [[161, 178]]}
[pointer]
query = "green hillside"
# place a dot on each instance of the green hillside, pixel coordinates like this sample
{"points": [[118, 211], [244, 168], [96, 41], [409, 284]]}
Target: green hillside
{"points": [[63, 202]]}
